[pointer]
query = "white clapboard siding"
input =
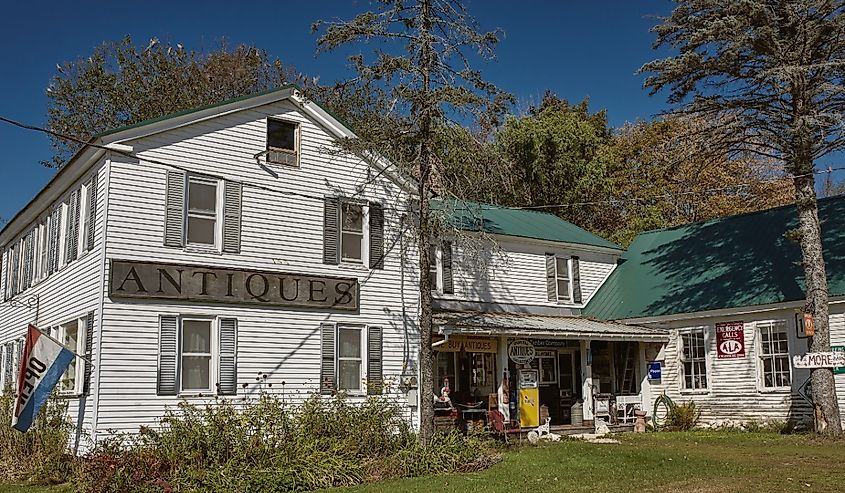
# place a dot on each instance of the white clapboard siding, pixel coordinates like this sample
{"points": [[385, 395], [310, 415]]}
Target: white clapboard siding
{"points": [[281, 231], [514, 272], [837, 338], [64, 296], [733, 393]]}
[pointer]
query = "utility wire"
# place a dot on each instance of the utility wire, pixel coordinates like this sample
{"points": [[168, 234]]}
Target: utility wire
{"points": [[612, 201]]}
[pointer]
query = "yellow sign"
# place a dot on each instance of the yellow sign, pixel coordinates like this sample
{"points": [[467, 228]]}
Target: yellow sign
{"points": [[454, 344]]}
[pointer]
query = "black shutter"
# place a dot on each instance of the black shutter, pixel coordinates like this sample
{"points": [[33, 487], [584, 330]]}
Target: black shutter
{"points": [[16, 259], [576, 280], [228, 384], [551, 277], [53, 240], [446, 259], [232, 193], [91, 221], [331, 233], [376, 236], [72, 229], [89, 350], [174, 210], [8, 350], [327, 358], [375, 379], [28, 251], [168, 353]]}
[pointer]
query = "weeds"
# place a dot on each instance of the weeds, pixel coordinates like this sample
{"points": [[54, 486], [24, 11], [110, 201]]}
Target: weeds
{"points": [[682, 417]]}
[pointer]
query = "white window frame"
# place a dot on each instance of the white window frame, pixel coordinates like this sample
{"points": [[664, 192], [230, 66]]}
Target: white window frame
{"points": [[362, 357], [59, 333], [703, 358], [83, 220], [759, 356], [218, 211], [437, 266], [214, 362], [365, 233], [568, 278], [296, 140], [542, 356]]}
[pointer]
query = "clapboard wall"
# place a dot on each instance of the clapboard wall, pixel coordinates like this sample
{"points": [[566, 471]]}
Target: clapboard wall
{"points": [[282, 230]]}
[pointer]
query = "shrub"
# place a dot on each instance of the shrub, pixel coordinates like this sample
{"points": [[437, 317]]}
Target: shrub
{"points": [[266, 445], [41, 454], [682, 417]]}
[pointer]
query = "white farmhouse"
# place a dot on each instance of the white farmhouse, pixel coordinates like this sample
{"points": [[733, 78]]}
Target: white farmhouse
{"points": [[223, 251]]}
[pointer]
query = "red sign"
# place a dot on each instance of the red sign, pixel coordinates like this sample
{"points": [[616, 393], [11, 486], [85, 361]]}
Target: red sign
{"points": [[730, 340]]}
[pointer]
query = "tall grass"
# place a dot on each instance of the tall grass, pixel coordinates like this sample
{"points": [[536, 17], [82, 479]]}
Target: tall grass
{"points": [[41, 454]]}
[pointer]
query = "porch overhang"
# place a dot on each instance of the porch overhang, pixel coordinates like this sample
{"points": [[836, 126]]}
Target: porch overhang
{"points": [[544, 327]]}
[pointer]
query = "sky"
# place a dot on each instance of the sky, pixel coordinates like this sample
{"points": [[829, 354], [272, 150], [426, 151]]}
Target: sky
{"points": [[576, 49]]}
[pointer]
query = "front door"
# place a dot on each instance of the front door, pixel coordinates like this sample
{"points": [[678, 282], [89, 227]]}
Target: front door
{"points": [[566, 384]]}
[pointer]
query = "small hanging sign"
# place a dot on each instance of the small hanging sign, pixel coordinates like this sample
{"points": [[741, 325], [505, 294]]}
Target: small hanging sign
{"points": [[809, 327]]}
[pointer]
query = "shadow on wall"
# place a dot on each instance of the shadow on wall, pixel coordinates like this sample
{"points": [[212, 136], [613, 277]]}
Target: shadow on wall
{"points": [[740, 261]]}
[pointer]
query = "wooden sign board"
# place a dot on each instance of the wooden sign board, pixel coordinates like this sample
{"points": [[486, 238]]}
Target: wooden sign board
{"points": [[831, 359], [153, 280]]}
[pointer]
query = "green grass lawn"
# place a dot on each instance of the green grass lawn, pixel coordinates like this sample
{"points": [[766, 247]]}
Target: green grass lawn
{"points": [[676, 462], [664, 462]]}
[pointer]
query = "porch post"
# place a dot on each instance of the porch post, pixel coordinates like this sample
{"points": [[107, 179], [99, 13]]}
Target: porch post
{"points": [[587, 384], [645, 385]]}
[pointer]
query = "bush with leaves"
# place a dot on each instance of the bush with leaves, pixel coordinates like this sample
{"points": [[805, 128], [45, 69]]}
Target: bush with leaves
{"points": [[682, 417], [267, 445]]}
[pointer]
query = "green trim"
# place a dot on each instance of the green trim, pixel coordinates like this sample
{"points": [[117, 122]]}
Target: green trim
{"points": [[196, 110]]}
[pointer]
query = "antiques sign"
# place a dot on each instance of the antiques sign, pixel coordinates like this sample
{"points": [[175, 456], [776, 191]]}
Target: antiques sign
{"points": [[152, 280], [454, 344], [730, 340], [830, 359], [521, 352]]}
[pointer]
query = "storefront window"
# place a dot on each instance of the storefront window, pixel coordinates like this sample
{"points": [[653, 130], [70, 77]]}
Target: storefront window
{"points": [[545, 362], [445, 368]]}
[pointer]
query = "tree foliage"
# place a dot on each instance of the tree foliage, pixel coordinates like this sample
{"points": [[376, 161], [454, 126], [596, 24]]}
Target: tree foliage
{"points": [[772, 73], [121, 83], [423, 64]]}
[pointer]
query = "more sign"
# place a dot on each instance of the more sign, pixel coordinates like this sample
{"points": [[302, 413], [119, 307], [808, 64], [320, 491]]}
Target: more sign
{"points": [[819, 360]]}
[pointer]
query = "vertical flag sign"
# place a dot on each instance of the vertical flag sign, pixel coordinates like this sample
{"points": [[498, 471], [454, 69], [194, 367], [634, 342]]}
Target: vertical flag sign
{"points": [[730, 340], [43, 362]]}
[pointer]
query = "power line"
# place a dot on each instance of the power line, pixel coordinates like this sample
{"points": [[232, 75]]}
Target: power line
{"points": [[611, 201]]}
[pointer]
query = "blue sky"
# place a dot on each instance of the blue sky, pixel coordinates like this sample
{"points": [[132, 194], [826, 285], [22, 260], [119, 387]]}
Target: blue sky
{"points": [[576, 49]]}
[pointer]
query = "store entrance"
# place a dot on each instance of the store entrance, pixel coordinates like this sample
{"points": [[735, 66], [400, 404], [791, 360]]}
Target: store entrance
{"points": [[559, 375]]}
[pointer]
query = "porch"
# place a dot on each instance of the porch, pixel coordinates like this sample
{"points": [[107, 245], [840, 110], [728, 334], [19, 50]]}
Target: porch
{"points": [[533, 368]]}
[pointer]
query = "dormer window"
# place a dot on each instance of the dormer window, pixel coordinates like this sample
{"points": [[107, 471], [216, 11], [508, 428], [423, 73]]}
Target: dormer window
{"points": [[282, 142]]}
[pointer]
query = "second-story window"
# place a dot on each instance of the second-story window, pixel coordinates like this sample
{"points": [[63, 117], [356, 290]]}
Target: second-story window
{"points": [[562, 277], [352, 232], [282, 142], [432, 268], [202, 211]]}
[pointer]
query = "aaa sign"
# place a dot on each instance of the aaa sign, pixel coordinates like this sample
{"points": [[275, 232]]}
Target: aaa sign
{"points": [[730, 340], [819, 360]]}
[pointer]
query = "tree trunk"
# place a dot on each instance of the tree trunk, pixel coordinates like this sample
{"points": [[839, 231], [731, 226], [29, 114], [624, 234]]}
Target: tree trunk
{"points": [[425, 114], [825, 404]]}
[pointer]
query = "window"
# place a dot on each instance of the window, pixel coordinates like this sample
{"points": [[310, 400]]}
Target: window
{"points": [[432, 267], [693, 360], [774, 355], [349, 360], [562, 274], [282, 142], [72, 335], [202, 211], [546, 364], [196, 355], [352, 232]]}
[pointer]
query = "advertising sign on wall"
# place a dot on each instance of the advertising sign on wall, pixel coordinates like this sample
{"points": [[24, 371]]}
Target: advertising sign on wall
{"points": [[521, 352], [730, 340]]}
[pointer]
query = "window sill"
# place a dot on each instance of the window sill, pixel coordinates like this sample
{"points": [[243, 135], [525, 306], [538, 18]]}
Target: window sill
{"points": [[201, 250], [774, 390], [694, 391], [352, 266], [196, 395], [69, 395]]}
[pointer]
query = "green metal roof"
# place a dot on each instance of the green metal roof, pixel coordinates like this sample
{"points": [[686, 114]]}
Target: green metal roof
{"points": [[472, 216], [730, 262]]}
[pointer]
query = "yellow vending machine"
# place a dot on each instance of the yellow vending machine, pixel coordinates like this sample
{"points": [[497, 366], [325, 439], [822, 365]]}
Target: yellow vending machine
{"points": [[529, 399]]}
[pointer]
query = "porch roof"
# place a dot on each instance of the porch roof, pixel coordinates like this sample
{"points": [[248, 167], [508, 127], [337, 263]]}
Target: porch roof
{"points": [[544, 326]]}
